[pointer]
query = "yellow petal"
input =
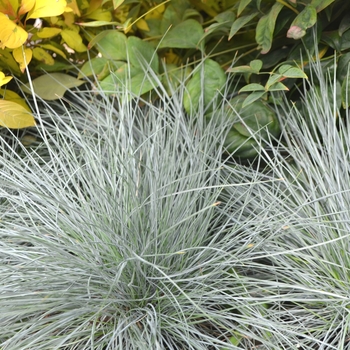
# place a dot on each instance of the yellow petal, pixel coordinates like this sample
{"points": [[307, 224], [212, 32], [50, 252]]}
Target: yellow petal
{"points": [[23, 57], [47, 8], [11, 35], [4, 80]]}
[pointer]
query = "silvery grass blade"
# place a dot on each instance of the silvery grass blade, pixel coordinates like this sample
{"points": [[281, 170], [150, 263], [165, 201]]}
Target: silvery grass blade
{"points": [[310, 217], [126, 229]]}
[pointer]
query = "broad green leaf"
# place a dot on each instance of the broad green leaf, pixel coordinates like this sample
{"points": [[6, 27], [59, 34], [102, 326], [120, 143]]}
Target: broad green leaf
{"points": [[254, 117], [111, 44], [23, 56], [53, 86], [207, 81], [43, 56], [11, 35], [266, 27], [133, 78], [306, 18], [47, 8], [321, 4], [256, 65], [240, 23], [95, 66], [14, 115], [252, 87], [174, 14], [242, 5], [141, 54], [289, 71], [185, 35]]}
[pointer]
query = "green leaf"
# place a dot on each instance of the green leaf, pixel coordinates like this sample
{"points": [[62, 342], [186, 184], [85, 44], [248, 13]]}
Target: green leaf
{"points": [[185, 35], [208, 79], [252, 87], [278, 87], [306, 18], [141, 54], [15, 116], [52, 86], [289, 71], [256, 65], [344, 24], [131, 77], [321, 4], [266, 27], [295, 32], [253, 97], [242, 5], [273, 79], [240, 23], [95, 66], [240, 69], [343, 66], [111, 44]]}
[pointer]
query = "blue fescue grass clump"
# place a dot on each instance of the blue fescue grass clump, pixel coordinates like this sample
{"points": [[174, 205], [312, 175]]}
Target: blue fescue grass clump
{"points": [[127, 228], [118, 232]]}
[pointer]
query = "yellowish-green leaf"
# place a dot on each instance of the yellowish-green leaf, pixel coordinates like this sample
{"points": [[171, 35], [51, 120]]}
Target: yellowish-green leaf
{"points": [[47, 8], [43, 56], [53, 49], [96, 24], [47, 32], [23, 56], [3, 79], [15, 116], [73, 40], [7, 59], [10, 95], [100, 15], [11, 35], [117, 3], [142, 24], [53, 86], [75, 7]]}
